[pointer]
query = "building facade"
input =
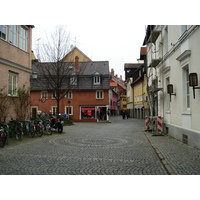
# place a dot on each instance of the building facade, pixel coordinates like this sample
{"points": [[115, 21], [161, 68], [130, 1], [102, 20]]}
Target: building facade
{"points": [[173, 54], [87, 93], [117, 94], [15, 62]]}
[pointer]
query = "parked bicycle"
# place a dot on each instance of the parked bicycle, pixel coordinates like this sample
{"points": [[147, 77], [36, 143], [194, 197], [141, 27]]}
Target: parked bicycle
{"points": [[47, 126], [29, 128], [39, 128], [16, 129], [3, 134], [56, 124]]}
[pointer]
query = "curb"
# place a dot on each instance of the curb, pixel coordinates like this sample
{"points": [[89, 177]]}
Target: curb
{"points": [[165, 164]]}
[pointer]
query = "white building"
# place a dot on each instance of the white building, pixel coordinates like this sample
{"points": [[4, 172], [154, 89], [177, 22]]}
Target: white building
{"points": [[173, 53]]}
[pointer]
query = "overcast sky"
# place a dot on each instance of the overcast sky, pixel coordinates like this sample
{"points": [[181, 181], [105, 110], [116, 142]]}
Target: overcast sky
{"points": [[113, 41], [105, 30]]}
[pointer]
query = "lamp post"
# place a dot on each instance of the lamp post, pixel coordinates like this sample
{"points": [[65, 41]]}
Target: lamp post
{"points": [[170, 90], [193, 82]]}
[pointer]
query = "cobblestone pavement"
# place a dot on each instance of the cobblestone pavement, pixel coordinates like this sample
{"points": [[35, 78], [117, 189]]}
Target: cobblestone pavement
{"points": [[120, 148], [178, 158]]}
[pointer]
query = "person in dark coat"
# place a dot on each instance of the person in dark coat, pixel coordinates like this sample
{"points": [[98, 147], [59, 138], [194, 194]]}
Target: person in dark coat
{"points": [[127, 114], [123, 114]]}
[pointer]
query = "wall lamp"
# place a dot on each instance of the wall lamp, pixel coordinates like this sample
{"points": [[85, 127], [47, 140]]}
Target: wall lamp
{"points": [[193, 82], [170, 90]]}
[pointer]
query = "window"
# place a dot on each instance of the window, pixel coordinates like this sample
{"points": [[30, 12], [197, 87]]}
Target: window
{"points": [[183, 29], [23, 38], [166, 40], [99, 94], [186, 90], [12, 84], [69, 95], [73, 80], [14, 35], [97, 80], [3, 32], [88, 112], [168, 97], [54, 110], [53, 95], [69, 110], [44, 94]]}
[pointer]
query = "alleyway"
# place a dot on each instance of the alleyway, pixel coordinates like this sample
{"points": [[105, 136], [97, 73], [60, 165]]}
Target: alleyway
{"points": [[116, 148]]}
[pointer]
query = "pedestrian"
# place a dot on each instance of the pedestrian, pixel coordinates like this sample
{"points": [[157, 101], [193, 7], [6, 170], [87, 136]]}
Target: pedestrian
{"points": [[123, 114], [127, 114]]}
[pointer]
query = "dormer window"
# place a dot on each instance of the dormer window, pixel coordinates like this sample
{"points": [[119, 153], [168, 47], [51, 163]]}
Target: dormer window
{"points": [[97, 79]]}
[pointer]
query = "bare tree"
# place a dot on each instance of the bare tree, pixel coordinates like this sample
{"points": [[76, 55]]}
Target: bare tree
{"points": [[4, 105], [22, 104], [54, 75]]}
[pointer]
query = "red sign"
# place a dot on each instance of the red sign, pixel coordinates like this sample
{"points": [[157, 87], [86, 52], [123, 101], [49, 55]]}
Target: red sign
{"points": [[43, 99]]}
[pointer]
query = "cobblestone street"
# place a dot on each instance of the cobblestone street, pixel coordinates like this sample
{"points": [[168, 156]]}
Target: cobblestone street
{"points": [[116, 148]]}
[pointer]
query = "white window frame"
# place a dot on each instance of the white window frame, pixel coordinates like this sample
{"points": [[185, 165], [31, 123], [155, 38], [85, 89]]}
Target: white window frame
{"points": [[52, 95], [70, 109], [14, 35], [99, 94], [54, 110], [68, 95], [97, 80], [23, 38], [3, 31], [166, 36], [73, 80], [167, 95], [44, 94], [186, 87], [13, 84]]}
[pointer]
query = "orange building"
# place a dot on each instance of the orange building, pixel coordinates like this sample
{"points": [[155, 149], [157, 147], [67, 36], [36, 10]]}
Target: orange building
{"points": [[87, 100]]}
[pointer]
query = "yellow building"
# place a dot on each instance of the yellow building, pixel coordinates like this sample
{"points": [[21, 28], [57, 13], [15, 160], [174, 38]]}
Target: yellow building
{"points": [[139, 85], [76, 52]]}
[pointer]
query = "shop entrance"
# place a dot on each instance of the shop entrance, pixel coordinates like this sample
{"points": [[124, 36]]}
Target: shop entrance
{"points": [[102, 113]]}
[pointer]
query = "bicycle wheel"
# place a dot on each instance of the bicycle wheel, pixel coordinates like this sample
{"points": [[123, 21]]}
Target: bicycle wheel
{"points": [[32, 131], [2, 140], [48, 129], [40, 131], [18, 131], [60, 128], [18, 136]]}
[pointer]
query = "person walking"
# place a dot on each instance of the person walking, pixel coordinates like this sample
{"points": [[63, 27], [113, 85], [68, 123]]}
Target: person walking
{"points": [[123, 114], [127, 114]]}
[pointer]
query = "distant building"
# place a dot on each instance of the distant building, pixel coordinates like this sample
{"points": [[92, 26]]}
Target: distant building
{"points": [[117, 94], [87, 100]]}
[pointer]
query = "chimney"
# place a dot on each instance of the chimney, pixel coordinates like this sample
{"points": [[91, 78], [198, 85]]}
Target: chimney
{"points": [[76, 62], [112, 72]]}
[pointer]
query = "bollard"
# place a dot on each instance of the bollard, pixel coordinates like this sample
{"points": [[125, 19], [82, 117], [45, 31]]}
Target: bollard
{"points": [[147, 123], [159, 124]]}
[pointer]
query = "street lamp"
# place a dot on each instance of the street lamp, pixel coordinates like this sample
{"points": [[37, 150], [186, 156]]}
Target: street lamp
{"points": [[193, 82], [170, 90]]}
